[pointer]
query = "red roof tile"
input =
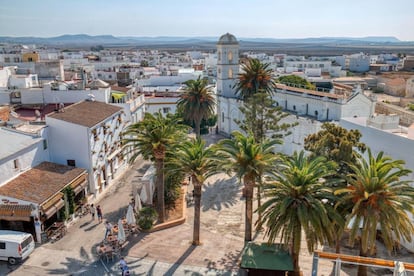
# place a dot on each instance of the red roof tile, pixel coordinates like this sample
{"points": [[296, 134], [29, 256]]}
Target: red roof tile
{"points": [[41, 182]]}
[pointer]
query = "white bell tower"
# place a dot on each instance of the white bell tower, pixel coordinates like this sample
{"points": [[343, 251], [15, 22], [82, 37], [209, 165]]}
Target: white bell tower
{"points": [[227, 76], [227, 65]]}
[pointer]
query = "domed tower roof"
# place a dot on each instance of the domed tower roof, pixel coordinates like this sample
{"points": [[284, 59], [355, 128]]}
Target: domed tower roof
{"points": [[227, 39]]}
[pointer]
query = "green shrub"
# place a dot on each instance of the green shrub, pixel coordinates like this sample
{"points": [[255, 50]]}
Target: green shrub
{"points": [[411, 106], [147, 217]]}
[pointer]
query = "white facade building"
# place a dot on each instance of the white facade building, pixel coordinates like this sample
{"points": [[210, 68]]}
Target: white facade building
{"points": [[316, 105], [21, 151], [88, 135]]}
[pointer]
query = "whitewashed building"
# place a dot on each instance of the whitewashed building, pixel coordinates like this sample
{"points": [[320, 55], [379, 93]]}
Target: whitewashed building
{"points": [[316, 105], [88, 135]]}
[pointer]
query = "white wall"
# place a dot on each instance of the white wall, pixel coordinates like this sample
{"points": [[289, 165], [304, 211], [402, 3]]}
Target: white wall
{"points": [[25, 148], [68, 141], [45, 95], [155, 104]]}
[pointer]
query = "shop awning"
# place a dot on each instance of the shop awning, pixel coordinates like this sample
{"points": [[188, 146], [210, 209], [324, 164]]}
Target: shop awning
{"points": [[79, 184], [50, 207], [53, 209], [118, 95], [14, 212]]}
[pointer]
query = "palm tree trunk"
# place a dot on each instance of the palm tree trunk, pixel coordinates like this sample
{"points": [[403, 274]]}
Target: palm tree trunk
{"points": [[259, 204], [248, 211], [160, 189], [197, 207], [362, 269], [197, 128], [295, 259], [338, 245]]}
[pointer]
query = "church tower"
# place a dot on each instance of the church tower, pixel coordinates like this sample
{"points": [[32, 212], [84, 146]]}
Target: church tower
{"points": [[227, 65], [227, 76]]}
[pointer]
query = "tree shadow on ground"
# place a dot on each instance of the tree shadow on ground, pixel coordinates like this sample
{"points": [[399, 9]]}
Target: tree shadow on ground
{"points": [[222, 193], [180, 260], [72, 267], [229, 263]]}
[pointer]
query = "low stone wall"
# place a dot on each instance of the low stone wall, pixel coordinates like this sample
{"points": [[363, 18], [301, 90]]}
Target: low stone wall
{"points": [[406, 116], [175, 222]]}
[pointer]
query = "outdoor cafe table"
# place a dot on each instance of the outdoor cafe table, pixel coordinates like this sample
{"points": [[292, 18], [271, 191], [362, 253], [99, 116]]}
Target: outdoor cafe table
{"points": [[104, 249], [112, 239]]}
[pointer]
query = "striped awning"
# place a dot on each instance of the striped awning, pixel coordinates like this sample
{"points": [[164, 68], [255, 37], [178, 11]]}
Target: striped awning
{"points": [[15, 212]]}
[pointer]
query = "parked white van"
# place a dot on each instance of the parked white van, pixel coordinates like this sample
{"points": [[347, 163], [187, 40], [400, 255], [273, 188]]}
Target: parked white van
{"points": [[15, 246]]}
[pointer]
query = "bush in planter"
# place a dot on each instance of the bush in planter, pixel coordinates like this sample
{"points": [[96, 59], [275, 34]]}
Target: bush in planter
{"points": [[147, 217]]}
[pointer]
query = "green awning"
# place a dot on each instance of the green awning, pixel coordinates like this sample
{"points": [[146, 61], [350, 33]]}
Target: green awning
{"points": [[267, 257], [117, 95]]}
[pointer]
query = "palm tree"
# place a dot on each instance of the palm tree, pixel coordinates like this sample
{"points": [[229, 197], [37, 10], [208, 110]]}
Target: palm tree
{"points": [[151, 138], [379, 199], [196, 160], [248, 159], [197, 102], [255, 86], [255, 77], [299, 200]]}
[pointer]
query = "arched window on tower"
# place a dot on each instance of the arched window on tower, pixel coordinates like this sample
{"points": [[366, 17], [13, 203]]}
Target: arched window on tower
{"points": [[230, 56], [219, 55], [230, 73]]}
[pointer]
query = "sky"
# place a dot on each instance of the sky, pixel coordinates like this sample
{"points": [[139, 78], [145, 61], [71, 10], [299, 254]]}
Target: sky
{"points": [[190, 18]]}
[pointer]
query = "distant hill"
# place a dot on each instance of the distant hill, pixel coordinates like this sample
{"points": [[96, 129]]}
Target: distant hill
{"points": [[83, 39]]}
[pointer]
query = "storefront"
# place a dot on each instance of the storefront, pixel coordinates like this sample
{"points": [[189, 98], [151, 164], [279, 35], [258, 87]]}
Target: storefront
{"points": [[47, 193]]}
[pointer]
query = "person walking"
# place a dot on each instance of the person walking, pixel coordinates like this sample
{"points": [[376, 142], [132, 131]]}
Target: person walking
{"points": [[108, 227], [124, 267], [99, 213], [92, 210]]}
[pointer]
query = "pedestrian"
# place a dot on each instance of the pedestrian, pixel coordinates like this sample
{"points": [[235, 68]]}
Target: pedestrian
{"points": [[124, 267], [99, 213], [92, 210], [108, 227]]}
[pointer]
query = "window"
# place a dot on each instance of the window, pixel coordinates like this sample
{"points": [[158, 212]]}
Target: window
{"points": [[45, 144], [16, 164], [294, 107], [219, 56], [166, 109], [71, 162], [2, 245], [316, 112], [222, 117], [30, 59], [230, 73], [230, 56]]}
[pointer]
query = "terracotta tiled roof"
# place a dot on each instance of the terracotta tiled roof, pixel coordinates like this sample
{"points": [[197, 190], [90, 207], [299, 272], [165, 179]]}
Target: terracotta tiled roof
{"points": [[87, 113], [41, 182], [120, 88], [15, 210]]}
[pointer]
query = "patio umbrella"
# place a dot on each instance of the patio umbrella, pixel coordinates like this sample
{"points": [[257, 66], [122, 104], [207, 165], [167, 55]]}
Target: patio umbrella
{"points": [[138, 203], [130, 216], [121, 232]]}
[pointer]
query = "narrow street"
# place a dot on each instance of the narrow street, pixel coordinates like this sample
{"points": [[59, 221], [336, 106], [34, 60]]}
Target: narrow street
{"points": [[75, 253]]}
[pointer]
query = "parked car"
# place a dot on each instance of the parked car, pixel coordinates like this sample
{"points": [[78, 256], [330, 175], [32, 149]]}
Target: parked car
{"points": [[15, 246]]}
